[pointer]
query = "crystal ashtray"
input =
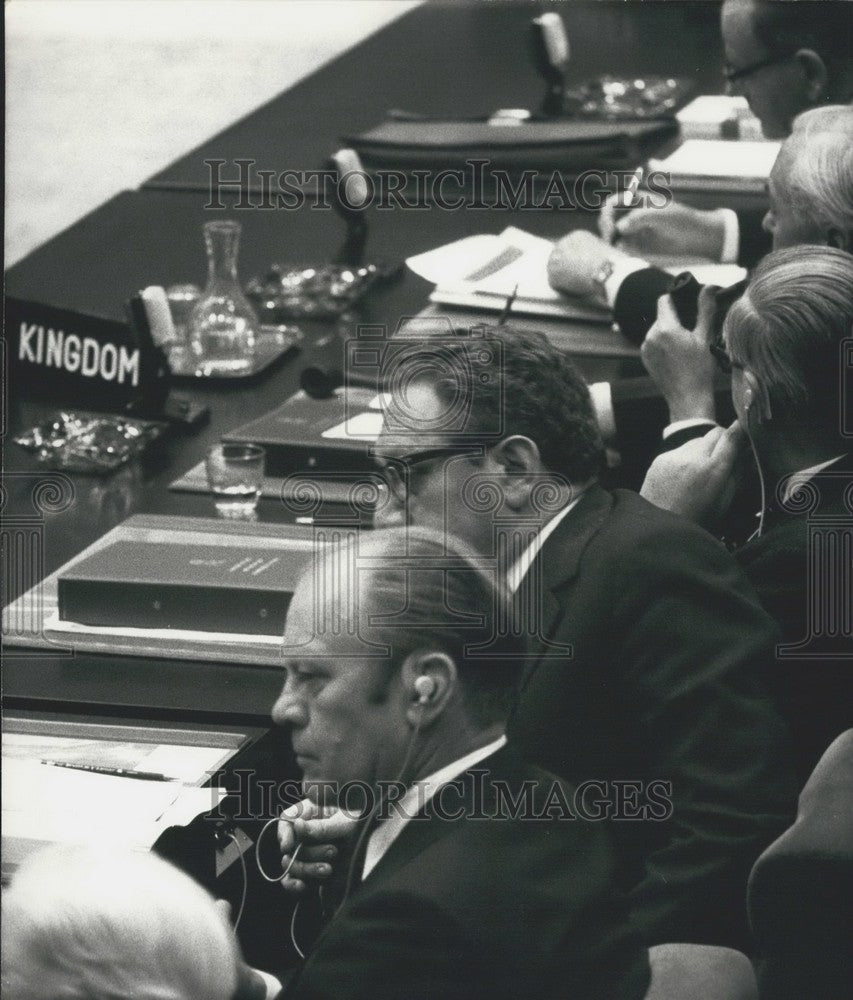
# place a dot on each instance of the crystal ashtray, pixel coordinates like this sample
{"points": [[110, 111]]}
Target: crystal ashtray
{"points": [[89, 442]]}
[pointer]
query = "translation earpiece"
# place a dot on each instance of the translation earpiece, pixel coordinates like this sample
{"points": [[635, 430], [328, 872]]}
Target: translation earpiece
{"points": [[425, 688]]}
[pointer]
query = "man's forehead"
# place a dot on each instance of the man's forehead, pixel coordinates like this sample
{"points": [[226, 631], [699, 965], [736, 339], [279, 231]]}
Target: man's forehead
{"points": [[409, 410], [738, 28]]}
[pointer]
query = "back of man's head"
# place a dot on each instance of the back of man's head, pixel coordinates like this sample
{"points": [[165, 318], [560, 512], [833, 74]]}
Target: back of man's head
{"points": [[820, 174], [788, 330], [785, 26], [88, 924], [514, 381], [414, 592]]}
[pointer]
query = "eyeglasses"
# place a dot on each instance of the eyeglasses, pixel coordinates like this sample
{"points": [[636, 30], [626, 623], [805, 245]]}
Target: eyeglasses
{"points": [[723, 359], [397, 483], [733, 74]]}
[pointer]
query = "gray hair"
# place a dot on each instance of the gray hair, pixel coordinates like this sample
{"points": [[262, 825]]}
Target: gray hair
{"points": [[85, 924], [820, 178], [788, 328]]}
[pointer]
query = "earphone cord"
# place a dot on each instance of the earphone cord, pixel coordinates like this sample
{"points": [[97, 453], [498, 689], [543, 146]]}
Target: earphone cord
{"points": [[368, 818], [760, 529]]}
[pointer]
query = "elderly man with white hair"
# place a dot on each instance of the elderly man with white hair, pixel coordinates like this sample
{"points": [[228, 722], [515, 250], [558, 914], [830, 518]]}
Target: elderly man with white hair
{"points": [[86, 923], [788, 343], [811, 202]]}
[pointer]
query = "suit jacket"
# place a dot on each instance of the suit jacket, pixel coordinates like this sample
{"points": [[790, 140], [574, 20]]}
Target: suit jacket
{"points": [[485, 907], [793, 559], [660, 676], [801, 891]]}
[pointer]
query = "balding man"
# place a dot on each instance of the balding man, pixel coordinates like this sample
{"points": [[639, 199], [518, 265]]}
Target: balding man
{"points": [[474, 876]]}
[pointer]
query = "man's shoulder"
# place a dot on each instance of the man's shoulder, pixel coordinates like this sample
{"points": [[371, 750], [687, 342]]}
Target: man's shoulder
{"points": [[625, 515]]}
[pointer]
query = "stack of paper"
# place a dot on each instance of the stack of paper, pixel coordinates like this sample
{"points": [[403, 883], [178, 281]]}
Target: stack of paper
{"points": [[46, 804], [481, 272], [717, 165]]}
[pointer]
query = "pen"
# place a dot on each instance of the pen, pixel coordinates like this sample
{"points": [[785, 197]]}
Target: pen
{"points": [[507, 307], [115, 772], [627, 201]]}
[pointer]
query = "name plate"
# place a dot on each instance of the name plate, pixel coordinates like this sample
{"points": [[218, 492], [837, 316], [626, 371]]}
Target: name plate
{"points": [[73, 357]]}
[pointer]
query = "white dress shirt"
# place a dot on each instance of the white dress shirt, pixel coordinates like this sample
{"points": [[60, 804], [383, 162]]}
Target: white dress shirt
{"points": [[517, 572], [415, 799], [798, 479]]}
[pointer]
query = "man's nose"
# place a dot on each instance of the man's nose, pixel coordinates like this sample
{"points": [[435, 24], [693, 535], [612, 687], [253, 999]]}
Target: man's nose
{"points": [[290, 710]]}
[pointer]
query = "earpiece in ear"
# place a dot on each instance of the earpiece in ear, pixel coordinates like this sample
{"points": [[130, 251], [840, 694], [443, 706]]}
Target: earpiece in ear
{"points": [[425, 688], [747, 398]]}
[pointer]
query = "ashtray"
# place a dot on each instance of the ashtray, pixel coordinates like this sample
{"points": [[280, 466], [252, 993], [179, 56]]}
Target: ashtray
{"points": [[615, 98], [322, 292], [89, 442]]}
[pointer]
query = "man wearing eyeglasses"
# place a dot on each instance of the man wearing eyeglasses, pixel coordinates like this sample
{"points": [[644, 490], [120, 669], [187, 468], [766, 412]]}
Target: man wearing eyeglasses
{"points": [[649, 645], [810, 202], [784, 57]]}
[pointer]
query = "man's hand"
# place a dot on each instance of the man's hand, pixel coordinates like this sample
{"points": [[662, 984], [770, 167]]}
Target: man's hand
{"points": [[314, 829], [698, 479], [575, 261], [679, 360], [251, 983], [676, 231]]}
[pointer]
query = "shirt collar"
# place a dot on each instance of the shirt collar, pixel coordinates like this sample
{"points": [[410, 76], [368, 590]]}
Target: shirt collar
{"points": [[416, 798], [796, 480], [518, 570]]}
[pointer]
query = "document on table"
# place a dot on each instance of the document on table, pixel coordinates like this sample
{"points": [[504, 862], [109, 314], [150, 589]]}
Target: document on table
{"points": [[717, 164], [481, 272], [45, 804]]}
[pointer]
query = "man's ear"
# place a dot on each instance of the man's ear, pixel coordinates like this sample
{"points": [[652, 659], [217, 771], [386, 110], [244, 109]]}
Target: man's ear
{"points": [[430, 679], [518, 456], [756, 401], [814, 72]]}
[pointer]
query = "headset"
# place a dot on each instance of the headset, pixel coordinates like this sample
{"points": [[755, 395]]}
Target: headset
{"points": [[425, 688]]}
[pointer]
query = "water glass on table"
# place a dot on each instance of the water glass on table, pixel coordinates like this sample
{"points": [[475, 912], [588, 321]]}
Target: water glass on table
{"points": [[235, 474]]}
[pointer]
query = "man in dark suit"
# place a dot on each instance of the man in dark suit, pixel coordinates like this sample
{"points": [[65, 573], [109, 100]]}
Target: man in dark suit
{"points": [[784, 58], [801, 890], [649, 646], [810, 203], [473, 875], [789, 342]]}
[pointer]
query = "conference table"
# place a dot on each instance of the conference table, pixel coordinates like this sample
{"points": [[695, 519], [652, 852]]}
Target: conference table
{"points": [[439, 60]]}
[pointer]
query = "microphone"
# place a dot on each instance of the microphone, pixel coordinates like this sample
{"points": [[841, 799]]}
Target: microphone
{"points": [[320, 383], [551, 57]]}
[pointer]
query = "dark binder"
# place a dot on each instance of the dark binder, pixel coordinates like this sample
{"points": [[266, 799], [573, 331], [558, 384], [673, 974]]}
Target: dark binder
{"points": [[292, 435], [243, 589]]}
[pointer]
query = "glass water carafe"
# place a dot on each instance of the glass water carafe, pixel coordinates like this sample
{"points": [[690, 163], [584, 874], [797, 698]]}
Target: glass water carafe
{"points": [[221, 329]]}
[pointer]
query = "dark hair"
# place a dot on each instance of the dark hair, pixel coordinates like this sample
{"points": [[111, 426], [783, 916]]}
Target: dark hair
{"points": [[529, 387], [784, 26], [418, 590], [788, 328]]}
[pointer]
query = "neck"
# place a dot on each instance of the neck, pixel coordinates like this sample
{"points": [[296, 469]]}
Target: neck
{"points": [[549, 505], [782, 455], [442, 748]]}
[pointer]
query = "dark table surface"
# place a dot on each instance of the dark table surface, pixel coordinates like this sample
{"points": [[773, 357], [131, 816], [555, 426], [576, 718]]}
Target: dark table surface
{"points": [[458, 60], [455, 59]]}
